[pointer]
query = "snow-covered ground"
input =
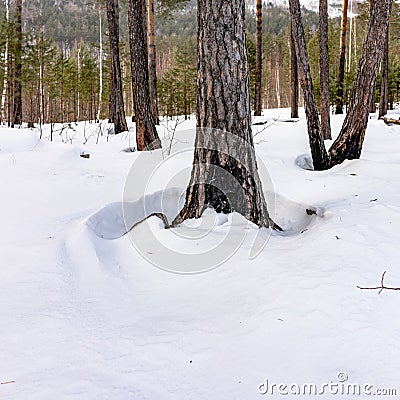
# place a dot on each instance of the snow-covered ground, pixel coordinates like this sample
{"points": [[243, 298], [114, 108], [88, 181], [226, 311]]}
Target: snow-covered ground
{"points": [[86, 317]]}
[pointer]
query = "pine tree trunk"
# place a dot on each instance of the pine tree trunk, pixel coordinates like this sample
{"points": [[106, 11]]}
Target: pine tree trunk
{"points": [[372, 106], [152, 62], [146, 133], [349, 143], [258, 83], [40, 84], [17, 111], [277, 81], [117, 110], [224, 174], [100, 104], [318, 151], [384, 100], [342, 59], [294, 78], [324, 70], [10, 90], [78, 105]]}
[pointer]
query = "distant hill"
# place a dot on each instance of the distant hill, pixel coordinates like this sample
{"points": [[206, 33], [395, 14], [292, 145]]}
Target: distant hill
{"points": [[335, 6], [275, 19], [68, 22]]}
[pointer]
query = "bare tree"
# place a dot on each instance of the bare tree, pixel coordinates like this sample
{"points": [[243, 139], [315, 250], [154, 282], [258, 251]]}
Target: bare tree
{"points": [[294, 78], [258, 83], [384, 100], [116, 106], [342, 59], [100, 103], [325, 104], [17, 109], [146, 133], [349, 143], [224, 174], [152, 61], [318, 151]]}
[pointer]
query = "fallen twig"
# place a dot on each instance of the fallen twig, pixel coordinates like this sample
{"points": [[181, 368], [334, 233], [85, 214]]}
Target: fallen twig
{"points": [[390, 121], [381, 287]]}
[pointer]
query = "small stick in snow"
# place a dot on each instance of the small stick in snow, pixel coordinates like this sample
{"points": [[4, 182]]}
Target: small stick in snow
{"points": [[380, 288], [390, 121], [7, 383]]}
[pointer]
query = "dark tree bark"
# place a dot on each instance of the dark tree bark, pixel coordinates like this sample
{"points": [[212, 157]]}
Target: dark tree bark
{"points": [[349, 143], [324, 70], [258, 83], [224, 174], [318, 151], [152, 62], [146, 133], [17, 109], [10, 90], [342, 59], [384, 100], [372, 106], [294, 78], [116, 110]]}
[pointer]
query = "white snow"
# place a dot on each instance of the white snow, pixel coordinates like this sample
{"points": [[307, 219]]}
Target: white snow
{"points": [[85, 313]]}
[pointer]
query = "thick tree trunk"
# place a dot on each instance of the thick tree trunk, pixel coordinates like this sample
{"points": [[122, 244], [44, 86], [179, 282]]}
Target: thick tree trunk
{"points": [[17, 109], [258, 83], [152, 62], [384, 100], [116, 110], [318, 151], [224, 174], [324, 70], [146, 133], [294, 78], [349, 143], [342, 59]]}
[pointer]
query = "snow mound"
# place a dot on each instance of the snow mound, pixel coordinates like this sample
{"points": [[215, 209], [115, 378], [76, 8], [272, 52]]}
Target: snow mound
{"points": [[295, 218], [116, 219], [16, 141], [304, 161]]}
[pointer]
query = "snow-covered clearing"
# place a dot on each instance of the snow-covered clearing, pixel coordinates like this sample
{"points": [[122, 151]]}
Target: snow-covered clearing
{"points": [[86, 317]]}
